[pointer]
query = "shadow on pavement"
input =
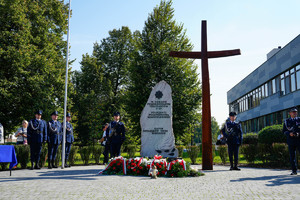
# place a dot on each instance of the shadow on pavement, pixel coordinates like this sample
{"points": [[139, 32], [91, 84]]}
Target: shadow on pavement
{"points": [[89, 174], [273, 180]]}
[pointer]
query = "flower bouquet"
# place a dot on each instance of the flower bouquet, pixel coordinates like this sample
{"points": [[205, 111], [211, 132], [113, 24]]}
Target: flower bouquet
{"points": [[177, 168], [161, 165], [116, 166], [137, 166]]}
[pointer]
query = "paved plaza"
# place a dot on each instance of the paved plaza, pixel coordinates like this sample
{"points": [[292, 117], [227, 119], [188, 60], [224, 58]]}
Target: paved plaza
{"points": [[83, 183]]}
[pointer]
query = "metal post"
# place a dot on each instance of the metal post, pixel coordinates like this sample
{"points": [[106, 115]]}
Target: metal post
{"points": [[66, 93]]}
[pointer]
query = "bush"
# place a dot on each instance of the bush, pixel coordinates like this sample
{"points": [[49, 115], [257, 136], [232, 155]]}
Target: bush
{"points": [[58, 155], [180, 151], [193, 152], [44, 155], [271, 134], [250, 152], [280, 155], [23, 152], [264, 152], [223, 153], [72, 155], [97, 151], [131, 149], [4, 166], [250, 138], [85, 153]]}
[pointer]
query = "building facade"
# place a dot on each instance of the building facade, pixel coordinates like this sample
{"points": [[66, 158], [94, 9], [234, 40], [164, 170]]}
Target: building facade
{"points": [[264, 97]]}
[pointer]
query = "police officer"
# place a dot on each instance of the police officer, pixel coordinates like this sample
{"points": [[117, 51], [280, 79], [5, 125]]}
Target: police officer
{"points": [[291, 128], [116, 138], [232, 131], [54, 139], [36, 135], [69, 138]]}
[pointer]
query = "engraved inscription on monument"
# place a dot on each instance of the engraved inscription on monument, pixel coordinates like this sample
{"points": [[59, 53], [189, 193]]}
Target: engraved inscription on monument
{"points": [[156, 123]]}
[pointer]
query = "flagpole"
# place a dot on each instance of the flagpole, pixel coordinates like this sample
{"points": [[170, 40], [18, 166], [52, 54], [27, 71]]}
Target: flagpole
{"points": [[66, 93]]}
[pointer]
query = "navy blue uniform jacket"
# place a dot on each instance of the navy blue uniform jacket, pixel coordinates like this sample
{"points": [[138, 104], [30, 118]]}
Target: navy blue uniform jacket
{"points": [[54, 132], [291, 125], [233, 132], [36, 131]]}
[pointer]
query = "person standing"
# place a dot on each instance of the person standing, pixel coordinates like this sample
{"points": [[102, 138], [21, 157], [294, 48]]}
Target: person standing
{"points": [[116, 135], [54, 139], [291, 128], [36, 135], [21, 133], [69, 138], [105, 142], [1, 134], [232, 131]]}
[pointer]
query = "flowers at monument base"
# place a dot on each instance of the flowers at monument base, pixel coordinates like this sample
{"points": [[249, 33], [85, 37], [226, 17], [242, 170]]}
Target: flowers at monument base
{"points": [[137, 166], [116, 166], [161, 165], [143, 167], [177, 168]]}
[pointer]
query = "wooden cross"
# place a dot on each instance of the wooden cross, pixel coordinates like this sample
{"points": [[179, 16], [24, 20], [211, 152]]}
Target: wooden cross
{"points": [[207, 161]]}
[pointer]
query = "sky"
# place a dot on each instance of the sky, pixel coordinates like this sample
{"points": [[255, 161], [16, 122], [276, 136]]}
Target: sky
{"points": [[253, 26]]}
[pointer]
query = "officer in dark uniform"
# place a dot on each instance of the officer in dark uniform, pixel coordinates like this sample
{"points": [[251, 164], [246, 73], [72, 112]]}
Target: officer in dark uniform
{"points": [[54, 139], [36, 135], [69, 138], [291, 128], [232, 131], [116, 130]]}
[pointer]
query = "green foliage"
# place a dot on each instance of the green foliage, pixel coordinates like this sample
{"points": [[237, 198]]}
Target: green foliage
{"points": [[223, 153], [32, 59], [85, 153], [280, 155], [250, 138], [97, 151], [4, 166], [58, 155], [72, 155], [180, 151], [193, 152], [215, 131], [264, 152], [271, 134], [23, 152], [250, 152], [131, 149], [43, 156], [101, 83], [151, 63]]}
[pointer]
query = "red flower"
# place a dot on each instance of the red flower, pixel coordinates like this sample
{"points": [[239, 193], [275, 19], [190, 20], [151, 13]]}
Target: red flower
{"points": [[114, 168], [134, 170], [172, 174], [157, 173], [148, 166], [138, 171], [119, 164], [140, 167]]}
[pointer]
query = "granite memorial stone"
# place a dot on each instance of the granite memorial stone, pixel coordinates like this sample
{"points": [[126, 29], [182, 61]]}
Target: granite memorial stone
{"points": [[156, 123]]}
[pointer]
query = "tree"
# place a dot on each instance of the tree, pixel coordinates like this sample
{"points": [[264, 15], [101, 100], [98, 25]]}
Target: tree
{"points": [[151, 64], [101, 84], [215, 131], [32, 58]]}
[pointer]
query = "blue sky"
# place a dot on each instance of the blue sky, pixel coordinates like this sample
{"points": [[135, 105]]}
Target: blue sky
{"points": [[254, 26]]}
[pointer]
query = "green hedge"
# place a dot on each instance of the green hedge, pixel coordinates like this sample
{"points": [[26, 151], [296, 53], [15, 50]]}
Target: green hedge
{"points": [[180, 151], [131, 150], [250, 138], [193, 152], [250, 152], [97, 151], [72, 155], [22, 153], [271, 134], [85, 153], [223, 153]]}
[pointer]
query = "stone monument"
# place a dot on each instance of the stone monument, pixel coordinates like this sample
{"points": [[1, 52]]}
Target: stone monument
{"points": [[156, 123]]}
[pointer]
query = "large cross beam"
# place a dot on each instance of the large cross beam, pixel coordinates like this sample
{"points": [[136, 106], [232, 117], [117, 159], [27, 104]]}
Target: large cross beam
{"points": [[207, 161]]}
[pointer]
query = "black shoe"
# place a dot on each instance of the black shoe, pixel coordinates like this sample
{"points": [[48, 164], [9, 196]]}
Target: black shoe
{"points": [[236, 169], [53, 165], [32, 166], [294, 173], [231, 168], [37, 166], [49, 165]]}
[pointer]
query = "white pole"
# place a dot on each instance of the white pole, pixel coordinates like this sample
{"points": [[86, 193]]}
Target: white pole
{"points": [[66, 93]]}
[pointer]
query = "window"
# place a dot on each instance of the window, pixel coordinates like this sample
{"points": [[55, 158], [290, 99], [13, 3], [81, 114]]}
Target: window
{"points": [[266, 90], [273, 86], [282, 84], [293, 81], [298, 77], [262, 92]]}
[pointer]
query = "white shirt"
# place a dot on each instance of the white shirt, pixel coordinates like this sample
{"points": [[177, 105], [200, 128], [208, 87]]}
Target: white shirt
{"points": [[1, 134]]}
